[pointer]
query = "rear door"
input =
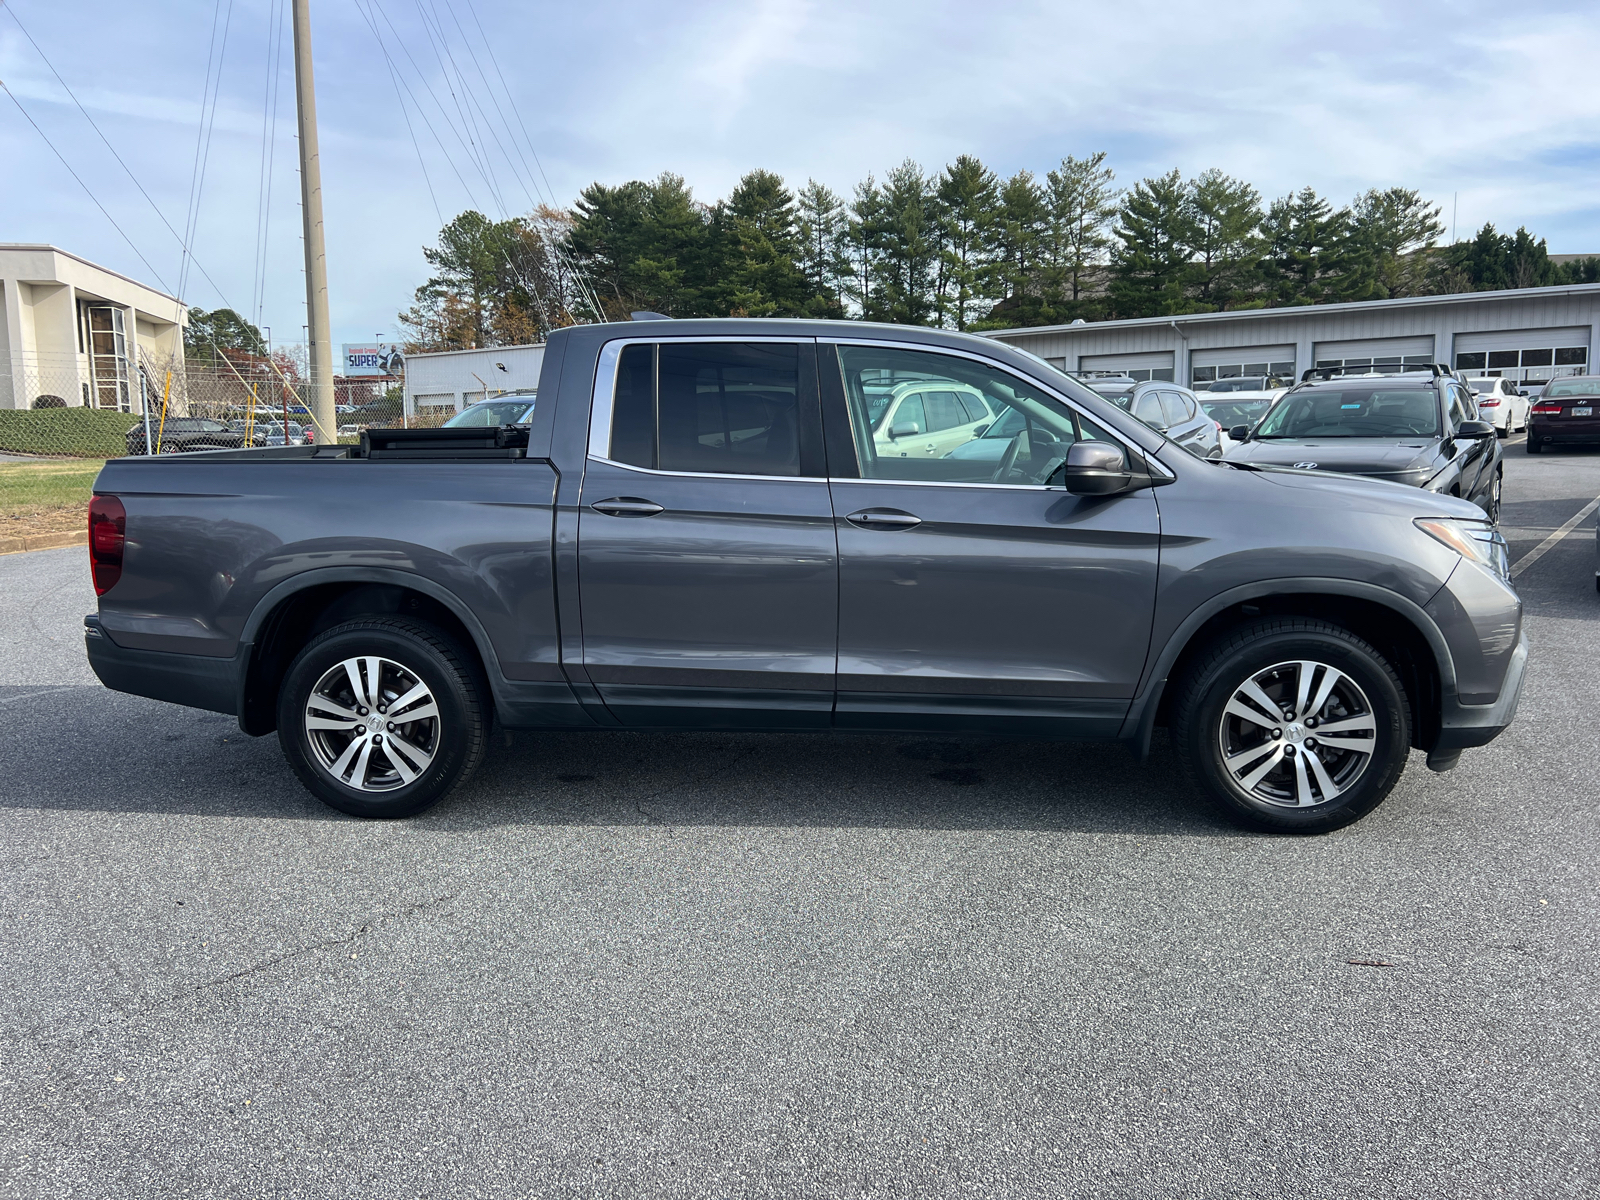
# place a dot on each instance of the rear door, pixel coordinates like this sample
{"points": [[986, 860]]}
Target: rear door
{"points": [[707, 562], [973, 591]]}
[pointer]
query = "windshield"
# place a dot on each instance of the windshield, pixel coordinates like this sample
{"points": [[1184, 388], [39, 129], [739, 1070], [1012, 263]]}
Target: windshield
{"points": [[1121, 399], [1248, 383], [1235, 412], [1354, 412], [1572, 387], [494, 412]]}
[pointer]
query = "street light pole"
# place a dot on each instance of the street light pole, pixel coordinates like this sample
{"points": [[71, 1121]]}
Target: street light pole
{"points": [[321, 337]]}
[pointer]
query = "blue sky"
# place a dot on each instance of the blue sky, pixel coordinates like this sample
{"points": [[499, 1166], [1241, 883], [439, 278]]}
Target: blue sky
{"points": [[1463, 98]]}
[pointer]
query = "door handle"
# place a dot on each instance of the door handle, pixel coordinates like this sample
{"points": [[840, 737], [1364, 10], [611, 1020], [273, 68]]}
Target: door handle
{"points": [[883, 518], [627, 506]]}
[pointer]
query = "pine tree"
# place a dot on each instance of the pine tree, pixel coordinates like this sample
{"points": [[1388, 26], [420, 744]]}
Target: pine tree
{"points": [[1083, 204], [906, 238], [1309, 250], [1151, 259], [1224, 233], [823, 235], [1019, 236], [969, 200], [760, 274], [1391, 232]]}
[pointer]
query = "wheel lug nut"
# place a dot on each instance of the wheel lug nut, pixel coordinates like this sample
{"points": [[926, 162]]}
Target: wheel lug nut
{"points": [[1277, 733], [1288, 750], [1311, 743], [391, 726], [1311, 722]]}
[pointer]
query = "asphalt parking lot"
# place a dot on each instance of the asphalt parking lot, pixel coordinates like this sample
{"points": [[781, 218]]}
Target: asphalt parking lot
{"points": [[720, 966]]}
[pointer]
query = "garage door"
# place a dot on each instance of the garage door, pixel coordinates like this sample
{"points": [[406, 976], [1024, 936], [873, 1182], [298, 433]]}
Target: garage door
{"points": [[1333, 354], [1525, 354], [1233, 361], [1155, 365]]}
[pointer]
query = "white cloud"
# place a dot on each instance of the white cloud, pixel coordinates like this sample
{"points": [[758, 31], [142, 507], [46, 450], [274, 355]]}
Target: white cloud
{"points": [[1468, 97]]}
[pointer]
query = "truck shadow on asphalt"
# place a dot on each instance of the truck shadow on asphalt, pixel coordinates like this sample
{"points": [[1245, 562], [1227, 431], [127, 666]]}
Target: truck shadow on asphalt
{"points": [[86, 749]]}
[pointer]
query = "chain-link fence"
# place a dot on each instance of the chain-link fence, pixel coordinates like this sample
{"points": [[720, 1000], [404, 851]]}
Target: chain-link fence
{"points": [[74, 407]]}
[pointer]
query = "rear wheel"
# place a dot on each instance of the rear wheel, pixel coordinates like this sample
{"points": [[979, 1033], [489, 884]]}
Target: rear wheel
{"points": [[1293, 725], [382, 717], [1533, 445]]}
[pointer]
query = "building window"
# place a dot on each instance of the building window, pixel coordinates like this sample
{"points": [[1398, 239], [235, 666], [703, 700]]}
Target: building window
{"points": [[108, 358], [1525, 365], [1200, 375]]}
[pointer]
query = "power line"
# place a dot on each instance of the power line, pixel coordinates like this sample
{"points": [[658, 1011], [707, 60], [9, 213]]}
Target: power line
{"points": [[84, 186], [217, 55]]}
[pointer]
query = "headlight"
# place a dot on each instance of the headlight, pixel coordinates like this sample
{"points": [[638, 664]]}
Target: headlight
{"points": [[1477, 540]]}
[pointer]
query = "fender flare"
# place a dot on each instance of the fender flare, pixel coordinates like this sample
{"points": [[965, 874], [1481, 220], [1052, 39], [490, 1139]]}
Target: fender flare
{"points": [[1141, 718], [318, 576]]}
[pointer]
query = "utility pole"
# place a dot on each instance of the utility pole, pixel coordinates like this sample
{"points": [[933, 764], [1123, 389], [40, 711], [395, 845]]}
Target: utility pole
{"points": [[321, 337]]}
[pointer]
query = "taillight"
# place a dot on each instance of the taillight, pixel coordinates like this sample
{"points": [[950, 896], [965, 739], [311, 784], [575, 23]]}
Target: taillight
{"points": [[108, 528], [1547, 410], [1488, 404]]}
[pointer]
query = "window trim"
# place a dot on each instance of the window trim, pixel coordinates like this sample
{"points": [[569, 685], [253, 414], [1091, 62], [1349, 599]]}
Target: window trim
{"points": [[603, 399], [1135, 452]]}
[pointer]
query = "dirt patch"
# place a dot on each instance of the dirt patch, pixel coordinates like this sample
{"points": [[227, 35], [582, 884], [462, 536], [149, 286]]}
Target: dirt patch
{"points": [[69, 519]]}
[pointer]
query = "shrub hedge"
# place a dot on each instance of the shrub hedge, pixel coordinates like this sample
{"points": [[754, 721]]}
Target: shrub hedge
{"points": [[72, 432]]}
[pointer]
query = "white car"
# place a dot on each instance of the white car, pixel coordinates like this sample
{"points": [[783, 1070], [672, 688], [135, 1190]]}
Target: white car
{"points": [[927, 418], [1239, 401], [1502, 404]]}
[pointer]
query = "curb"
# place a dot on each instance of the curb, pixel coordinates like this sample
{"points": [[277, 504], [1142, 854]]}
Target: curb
{"points": [[43, 541]]}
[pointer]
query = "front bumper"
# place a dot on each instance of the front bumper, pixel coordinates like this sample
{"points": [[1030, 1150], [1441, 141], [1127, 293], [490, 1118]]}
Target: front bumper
{"points": [[1462, 726]]}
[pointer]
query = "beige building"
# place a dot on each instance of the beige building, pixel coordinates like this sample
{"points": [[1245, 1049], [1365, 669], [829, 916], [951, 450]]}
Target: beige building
{"points": [[73, 333]]}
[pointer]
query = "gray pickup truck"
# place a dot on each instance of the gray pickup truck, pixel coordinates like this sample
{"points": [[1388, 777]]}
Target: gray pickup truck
{"points": [[708, 525]]}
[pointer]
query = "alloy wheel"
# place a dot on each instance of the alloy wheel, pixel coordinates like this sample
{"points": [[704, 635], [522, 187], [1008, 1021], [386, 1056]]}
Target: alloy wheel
{"points": [[1297, 734], [372, 724]]}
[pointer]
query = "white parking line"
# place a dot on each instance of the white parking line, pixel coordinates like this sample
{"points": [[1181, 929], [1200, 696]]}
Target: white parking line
{"points": [[1544, 547]]}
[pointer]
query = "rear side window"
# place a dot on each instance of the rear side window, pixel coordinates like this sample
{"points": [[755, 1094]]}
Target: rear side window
{"points": [[714, 408], [943, 411]]}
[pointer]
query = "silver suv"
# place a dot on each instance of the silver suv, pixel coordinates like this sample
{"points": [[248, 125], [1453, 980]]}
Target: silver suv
{"points": [[1167, 408]]}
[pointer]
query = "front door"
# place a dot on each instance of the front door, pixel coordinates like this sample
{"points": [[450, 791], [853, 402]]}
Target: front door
{"points": [[972, 591], [707, 565]]}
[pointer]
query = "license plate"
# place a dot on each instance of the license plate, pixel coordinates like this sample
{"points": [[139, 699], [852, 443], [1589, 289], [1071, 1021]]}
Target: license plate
{"points": [[1582, 412]]}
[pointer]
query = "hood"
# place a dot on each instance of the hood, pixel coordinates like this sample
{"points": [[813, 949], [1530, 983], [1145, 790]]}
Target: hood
{"points": [[1378, 457]]}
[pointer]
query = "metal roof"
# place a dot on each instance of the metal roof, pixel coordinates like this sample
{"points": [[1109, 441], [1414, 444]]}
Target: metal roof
{"points": [[1309, 310]]}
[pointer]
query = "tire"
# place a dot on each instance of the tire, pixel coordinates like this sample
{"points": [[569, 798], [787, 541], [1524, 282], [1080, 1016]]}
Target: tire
{"points": [[1533, 446], [340, 744], [1496, 489], [168, 448], [1330, 789]]}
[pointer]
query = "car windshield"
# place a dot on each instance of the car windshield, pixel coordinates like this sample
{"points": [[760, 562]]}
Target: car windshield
{"points": [[493, 413], [1122, 399], [1572, 387], [1229, 413], [1247, 383], [1354, 412]]}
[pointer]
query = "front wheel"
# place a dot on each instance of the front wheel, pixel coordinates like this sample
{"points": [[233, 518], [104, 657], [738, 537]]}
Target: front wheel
{"points": [[382, 717], [1293, 725]]}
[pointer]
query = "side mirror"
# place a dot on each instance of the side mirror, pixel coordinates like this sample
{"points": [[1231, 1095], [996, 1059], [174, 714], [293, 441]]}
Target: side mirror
{"points": [[904, 429], [1474, 430], [1097, 469], [979, 430], [1240, 433]]}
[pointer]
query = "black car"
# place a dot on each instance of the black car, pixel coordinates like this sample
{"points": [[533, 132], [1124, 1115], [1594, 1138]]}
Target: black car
{"points": [[178, 434], [1416, 429], [1567, 411]]}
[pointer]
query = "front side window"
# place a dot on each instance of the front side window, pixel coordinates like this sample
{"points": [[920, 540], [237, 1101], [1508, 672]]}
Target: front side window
{"points": [[1461, 408], [719, 408], [980, 424], [1354, 412]]}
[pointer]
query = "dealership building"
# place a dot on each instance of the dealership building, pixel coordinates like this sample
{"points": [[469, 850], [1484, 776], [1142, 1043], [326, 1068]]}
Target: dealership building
{"points": [[1524, 334]]}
